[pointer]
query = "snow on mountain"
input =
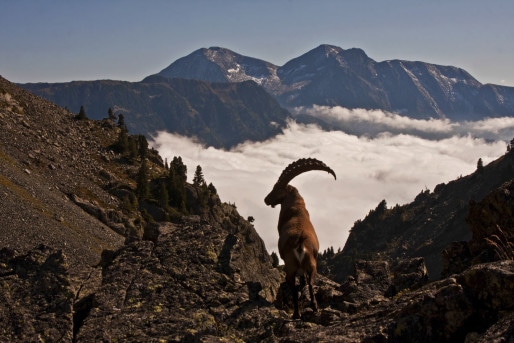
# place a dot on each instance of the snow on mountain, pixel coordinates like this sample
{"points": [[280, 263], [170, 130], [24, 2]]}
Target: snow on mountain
{"points": [[221, 65]]}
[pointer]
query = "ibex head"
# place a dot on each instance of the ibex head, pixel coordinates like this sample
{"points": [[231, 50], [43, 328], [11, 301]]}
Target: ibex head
{"points": [[281, 188]]}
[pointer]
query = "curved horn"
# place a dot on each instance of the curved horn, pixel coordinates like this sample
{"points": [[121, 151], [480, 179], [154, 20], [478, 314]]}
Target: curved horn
{"points": [[301, 166]]}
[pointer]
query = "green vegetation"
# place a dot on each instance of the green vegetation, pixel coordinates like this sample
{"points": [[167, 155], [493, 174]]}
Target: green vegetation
{"points": [[149, 188]]}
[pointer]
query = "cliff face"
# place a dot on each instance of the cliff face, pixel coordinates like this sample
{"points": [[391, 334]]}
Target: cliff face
{"points": [[195, 279]]}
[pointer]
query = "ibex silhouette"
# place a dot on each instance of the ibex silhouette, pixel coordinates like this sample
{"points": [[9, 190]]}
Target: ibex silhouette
{"points": [[297, 244]]}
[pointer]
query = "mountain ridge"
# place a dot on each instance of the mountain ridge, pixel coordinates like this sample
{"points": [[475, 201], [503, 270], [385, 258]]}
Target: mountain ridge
{"points": [[331, 76], [324, 76], [218, 114]]}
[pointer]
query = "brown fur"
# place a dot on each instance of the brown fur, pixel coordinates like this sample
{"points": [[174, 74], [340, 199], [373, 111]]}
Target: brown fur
{"points": [[297, 244], [297, 235]]}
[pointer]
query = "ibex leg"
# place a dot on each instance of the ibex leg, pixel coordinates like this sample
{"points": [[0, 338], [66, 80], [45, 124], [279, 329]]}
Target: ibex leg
{"points": [[310, 280], [291, 282]]}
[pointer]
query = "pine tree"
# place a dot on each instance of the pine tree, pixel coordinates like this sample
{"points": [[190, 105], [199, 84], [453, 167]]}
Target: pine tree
{"points": [[179, 167], [176, 184], [212, 189], [132, 148], [480, 166], [82, 114], [143, 186], [164, 198], [198, 179], [111, 114], [142, 145], [274, 259], [122, 145], [121, 122]]}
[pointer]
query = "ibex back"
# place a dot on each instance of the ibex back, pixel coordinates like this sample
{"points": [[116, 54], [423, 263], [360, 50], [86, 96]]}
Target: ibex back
{"points": [[297, 244]]}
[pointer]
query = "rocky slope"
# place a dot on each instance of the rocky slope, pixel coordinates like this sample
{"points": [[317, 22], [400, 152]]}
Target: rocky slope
{"points": [[78, 263], [46, 157]]}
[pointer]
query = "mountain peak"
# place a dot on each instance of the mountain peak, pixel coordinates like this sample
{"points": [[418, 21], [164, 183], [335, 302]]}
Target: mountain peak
{"points": [[217, 64]]}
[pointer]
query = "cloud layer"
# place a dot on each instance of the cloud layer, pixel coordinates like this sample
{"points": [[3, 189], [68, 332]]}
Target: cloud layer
{"points": [[395, 165], [373, 122]]}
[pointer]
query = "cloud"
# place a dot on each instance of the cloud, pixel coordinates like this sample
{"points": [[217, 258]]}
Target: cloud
{"points": [[375, 122], [391, 166]]}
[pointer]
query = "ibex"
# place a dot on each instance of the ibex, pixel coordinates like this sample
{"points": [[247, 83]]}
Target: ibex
{"points": [[297, 244]]}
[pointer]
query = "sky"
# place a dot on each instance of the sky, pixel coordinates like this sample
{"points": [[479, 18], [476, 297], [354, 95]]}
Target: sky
{"points": [[401, 159], [66, 40]]}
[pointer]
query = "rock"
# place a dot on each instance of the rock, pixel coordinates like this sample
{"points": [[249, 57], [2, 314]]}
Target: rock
{"points": [[409, 273], [187, 284], [36, 297], [492, 224]]}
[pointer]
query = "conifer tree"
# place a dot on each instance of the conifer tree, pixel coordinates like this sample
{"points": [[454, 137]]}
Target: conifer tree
{"points": [[179, 167], [111, 114], [176, 184], [198, 179], [143, 186], [212, 189], [274, 259], [122, 145], [480, 164], [121, 122], [142, 145], [132, 148], [164, 198], [82, 114]]}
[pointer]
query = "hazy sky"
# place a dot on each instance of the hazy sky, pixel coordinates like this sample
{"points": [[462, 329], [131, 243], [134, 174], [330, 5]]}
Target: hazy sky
{"points": [[64, 40]]}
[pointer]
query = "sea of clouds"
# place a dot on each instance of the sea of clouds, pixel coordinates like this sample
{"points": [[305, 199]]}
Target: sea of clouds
{"points": [[376, 155]]}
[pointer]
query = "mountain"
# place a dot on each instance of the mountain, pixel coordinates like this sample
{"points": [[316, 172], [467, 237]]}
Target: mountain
{"points": [[223, 98], [331, 76], [102, 241], [218, 114], [220, 65]]}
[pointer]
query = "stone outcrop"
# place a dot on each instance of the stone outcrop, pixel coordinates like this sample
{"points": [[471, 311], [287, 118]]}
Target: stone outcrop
{"points": [[192, 281], [492, 225], [36, 296]]}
